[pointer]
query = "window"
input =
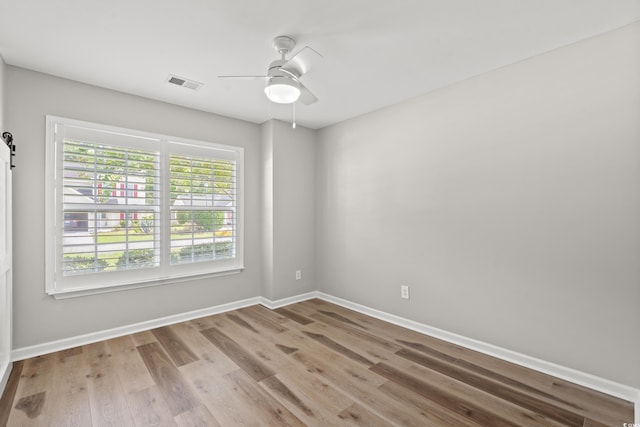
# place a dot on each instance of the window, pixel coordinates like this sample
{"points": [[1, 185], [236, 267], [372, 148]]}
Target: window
{"points": [[132, 209]]}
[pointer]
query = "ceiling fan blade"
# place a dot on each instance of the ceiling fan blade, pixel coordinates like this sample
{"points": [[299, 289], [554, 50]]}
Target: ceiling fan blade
{"points": [[244, 77], [302, 62], [306, 97]]}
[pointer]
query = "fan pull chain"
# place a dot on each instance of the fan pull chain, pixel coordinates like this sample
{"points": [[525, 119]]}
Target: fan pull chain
{"points": [[293, 125]]}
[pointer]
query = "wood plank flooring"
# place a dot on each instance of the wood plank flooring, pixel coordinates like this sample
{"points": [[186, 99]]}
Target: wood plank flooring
{"points": [[312, 363]]}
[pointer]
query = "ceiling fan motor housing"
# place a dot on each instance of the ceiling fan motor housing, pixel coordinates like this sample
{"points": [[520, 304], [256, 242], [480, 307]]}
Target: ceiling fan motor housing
{"points": [[274, 67]]}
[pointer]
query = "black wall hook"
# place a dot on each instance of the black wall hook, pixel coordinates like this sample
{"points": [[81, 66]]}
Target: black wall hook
{"points": [[8, 139]]}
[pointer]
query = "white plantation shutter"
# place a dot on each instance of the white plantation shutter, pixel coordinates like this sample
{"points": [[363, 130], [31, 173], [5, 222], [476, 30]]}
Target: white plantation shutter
{"points": [[131, 208], [203, 208], [111, 206]]}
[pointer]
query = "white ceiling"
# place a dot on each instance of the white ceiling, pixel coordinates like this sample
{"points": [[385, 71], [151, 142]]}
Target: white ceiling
{"points": [[376, 52]]}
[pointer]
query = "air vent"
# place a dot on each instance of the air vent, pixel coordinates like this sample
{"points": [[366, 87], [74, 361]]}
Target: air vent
{"points": [[181, 81]]}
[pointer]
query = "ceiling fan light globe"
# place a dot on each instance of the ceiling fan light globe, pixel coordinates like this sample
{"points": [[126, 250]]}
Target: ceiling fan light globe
{"points": [[282, 90]]}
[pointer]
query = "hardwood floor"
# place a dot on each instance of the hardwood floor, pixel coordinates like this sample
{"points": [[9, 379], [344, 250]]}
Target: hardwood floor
{"points": [[311, 363]]}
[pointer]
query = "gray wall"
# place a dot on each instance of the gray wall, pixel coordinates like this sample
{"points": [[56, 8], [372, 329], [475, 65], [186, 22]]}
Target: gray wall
{"points": [[288, 209], [266, 171], [39, 318], [509, 202], [294, 154]]}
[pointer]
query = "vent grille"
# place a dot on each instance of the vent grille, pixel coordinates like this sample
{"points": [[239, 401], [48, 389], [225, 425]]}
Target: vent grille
{"points": [[181, 81]]}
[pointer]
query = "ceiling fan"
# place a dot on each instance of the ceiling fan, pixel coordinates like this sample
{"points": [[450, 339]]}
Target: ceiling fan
{"points": [[283, 84]]}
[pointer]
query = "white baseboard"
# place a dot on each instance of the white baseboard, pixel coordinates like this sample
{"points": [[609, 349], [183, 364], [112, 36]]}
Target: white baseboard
{"points": [[66, 343], [63, 344], [290, 300], [4, 377], [584, 379]]}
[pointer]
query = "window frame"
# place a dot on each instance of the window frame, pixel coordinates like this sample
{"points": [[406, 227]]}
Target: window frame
{"points": [[61, 286]]}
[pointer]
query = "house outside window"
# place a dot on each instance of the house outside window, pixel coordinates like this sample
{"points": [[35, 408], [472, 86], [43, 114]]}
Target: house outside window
{"points": [[133, 209]]}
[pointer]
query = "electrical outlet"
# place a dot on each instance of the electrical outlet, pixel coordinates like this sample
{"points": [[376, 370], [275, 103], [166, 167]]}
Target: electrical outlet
{"points": [[298, 274], [404, 291]]}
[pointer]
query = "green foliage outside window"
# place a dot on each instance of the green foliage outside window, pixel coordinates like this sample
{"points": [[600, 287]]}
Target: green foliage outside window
{"points": [[202, 220], [136, 258]]}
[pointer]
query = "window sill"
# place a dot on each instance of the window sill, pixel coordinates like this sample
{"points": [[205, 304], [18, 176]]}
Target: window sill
{"points": [[74, 293]]}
